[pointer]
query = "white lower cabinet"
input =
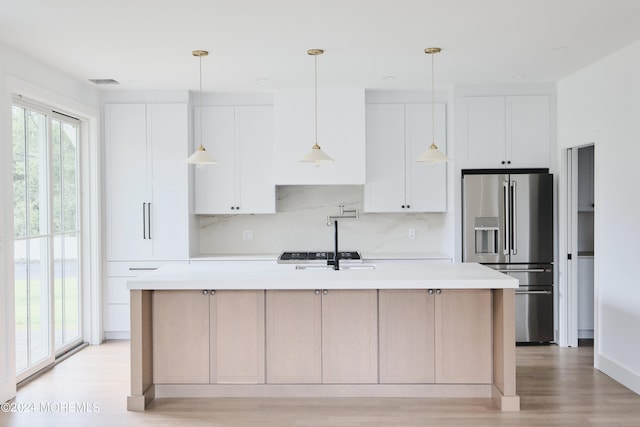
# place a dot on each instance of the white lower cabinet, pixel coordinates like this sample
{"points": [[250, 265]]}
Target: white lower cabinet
{"points": [[116, 319], [327, 337], [437, 336], [202, 337]]}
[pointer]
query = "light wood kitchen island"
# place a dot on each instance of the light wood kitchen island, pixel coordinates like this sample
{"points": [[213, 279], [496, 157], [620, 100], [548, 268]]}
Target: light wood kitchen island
{"points": [[260, 329]]}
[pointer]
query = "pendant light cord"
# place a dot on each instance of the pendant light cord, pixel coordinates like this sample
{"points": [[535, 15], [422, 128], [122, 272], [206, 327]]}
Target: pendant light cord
{"points": [[200, 100], [433, 100], [315, 73]]}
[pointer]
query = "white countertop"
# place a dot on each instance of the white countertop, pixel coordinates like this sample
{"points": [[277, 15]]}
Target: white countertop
{"points": [[373, 256], [246, 275]]}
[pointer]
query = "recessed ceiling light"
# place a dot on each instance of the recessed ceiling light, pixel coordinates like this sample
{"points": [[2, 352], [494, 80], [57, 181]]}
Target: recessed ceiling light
{"points": [[559, 49], [389, 78], [104, 81], [261, 79], [519, 76]]}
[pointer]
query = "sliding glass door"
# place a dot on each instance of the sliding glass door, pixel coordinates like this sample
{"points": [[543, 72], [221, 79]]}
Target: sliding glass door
{"points": [[46, 236]]}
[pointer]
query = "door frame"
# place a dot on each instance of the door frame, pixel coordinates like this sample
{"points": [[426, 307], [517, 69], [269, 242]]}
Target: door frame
{"points": [[91, 216], [568, 240]]}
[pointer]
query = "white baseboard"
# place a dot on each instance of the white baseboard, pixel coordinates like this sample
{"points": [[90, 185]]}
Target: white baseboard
{"points": [[117, 335], [624, 376]]}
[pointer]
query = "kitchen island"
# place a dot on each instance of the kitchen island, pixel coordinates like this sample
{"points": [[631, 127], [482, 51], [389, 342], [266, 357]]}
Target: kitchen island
{"points": [[261, 329]]}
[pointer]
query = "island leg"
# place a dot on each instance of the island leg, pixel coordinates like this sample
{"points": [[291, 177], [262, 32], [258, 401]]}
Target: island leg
{"points": [[504, 350], [142, 388]]}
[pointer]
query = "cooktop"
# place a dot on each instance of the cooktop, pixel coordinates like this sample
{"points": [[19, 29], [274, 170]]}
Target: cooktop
{"points": [[317, 256]]}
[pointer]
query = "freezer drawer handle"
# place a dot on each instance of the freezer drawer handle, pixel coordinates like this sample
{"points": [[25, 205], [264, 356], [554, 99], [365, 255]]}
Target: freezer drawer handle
{"points": [[533, 292], [525, 270], [142, 268]]}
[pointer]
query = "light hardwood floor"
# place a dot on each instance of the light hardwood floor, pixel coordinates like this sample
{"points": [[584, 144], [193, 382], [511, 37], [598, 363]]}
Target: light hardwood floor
{"points": [[558, 387]]}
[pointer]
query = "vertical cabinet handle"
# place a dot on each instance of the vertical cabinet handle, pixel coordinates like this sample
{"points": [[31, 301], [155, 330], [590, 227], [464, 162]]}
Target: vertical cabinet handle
{"points": [[144, 221], [149, 220]]}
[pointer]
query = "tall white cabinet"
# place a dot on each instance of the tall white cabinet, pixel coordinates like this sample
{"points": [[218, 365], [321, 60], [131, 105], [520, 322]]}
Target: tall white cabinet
{"points": [[146, 183], [397, 134], [240, 138]]}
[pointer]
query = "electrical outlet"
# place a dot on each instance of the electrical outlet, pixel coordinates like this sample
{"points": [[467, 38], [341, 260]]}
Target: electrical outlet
{"points": [[247, 235], [412, 233]]}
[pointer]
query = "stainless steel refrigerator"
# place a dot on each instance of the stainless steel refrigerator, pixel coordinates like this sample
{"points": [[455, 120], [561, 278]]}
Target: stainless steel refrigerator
{"points": [[507, 224]]}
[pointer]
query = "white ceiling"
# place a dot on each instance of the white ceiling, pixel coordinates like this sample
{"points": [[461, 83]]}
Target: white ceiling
{"points": [[147, 44]]}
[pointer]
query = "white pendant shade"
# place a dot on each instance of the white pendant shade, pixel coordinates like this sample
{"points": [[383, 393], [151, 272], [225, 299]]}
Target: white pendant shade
{"points": [[201, 158], [316, 155], [433, 155]]}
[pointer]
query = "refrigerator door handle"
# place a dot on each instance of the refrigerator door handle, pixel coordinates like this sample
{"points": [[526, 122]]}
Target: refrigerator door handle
{"points": [[514, 219], [507, 219], [534, 292], [524, 270]]}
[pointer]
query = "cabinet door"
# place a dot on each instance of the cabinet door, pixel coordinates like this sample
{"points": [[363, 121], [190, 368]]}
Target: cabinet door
{"points": [[215, 185], [406, 336], [385, 184], [528, 131], [350, 337], [254, 136], [237, 337], [485, 120], [180, 337], [294, 337], [127, 188], [463, 337], [169, 213], [426, 184]]}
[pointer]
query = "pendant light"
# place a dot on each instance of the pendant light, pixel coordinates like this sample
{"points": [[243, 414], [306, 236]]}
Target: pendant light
{"points": [[200, 158], [433, 154], [316, 155]]}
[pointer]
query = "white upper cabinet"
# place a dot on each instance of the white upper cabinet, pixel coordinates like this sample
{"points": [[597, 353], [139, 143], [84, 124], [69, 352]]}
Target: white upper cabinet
{"points": [[341, 134], [146, 181], [240, 138], [507, 131], [397, 134]]}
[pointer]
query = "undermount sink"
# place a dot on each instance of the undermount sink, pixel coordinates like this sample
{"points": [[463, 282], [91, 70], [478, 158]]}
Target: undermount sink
{"points": [[342, 267]]}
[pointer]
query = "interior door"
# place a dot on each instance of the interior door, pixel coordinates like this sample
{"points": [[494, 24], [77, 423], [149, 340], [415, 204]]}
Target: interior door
{"points": [[485, 218], [531, 216]]}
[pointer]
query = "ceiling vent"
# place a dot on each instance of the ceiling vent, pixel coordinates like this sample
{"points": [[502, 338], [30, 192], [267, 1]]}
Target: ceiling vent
{"points": [[104, 81]]}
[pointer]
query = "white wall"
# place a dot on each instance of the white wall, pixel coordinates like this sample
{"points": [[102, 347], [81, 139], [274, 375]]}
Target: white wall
{"points": [[300, 224], [21, 74], [602, 99]]}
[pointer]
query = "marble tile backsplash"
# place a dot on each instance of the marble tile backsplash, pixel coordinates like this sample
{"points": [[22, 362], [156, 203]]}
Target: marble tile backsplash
{"points": [[301, 224]]}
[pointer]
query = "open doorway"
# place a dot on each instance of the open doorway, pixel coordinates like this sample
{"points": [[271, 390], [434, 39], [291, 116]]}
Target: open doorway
{"points": [[585, 250], [580, 246]]}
